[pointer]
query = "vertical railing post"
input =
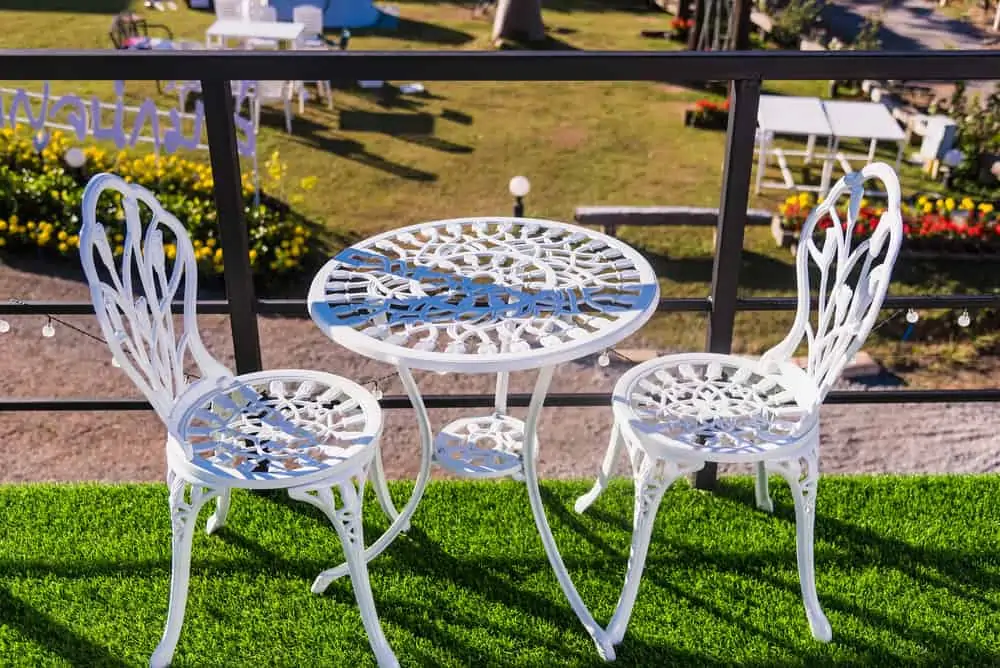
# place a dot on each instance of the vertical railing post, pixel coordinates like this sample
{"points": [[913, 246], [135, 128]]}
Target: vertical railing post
{"points": [[743, 103], [219, 110]]}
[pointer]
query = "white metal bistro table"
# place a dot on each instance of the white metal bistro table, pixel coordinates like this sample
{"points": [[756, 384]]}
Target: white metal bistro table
{"points": [[483, 295], [282, 32]]}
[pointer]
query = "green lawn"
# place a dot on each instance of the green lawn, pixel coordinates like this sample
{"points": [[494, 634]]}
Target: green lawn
{"points": [[908, 573], [579, 143]]}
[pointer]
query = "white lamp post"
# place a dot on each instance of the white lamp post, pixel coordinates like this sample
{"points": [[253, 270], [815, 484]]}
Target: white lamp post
{"points": [[519, 187]]}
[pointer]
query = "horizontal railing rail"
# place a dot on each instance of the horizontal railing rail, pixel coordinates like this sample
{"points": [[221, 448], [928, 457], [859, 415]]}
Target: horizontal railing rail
{"points": [[500, 66], [297, 307], [744, 70]]}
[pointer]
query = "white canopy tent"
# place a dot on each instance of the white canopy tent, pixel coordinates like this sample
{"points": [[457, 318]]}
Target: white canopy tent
{"points": [[795, 116]]}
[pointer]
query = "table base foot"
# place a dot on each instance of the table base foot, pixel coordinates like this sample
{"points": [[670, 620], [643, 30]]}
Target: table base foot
{"points": [[605, 648]]}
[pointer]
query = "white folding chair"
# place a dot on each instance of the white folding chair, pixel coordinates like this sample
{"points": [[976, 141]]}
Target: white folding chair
{"points": [[311, 17], [263, 14], [677, 412], [260, 92], [304, 431], [225, 10]]}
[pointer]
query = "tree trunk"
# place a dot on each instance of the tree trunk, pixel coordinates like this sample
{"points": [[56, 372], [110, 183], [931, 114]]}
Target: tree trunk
{"points": [[519, 21], [740, 29], [683, 9], [699, 20]]}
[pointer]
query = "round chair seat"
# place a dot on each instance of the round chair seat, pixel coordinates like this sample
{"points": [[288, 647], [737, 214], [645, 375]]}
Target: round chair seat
{"points": [[271, 429], [722, 408]]}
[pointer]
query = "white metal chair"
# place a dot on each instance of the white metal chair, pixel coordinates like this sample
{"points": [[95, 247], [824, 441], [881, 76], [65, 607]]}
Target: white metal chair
{"points": [[678, 412], [304, 431], [311, 17]]}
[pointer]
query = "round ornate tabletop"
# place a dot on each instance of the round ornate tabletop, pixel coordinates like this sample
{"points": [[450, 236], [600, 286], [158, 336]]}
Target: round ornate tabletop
{"points": [[483, 295]]}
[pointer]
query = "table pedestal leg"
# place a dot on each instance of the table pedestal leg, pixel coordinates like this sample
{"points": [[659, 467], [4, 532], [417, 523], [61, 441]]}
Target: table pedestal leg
{"points": [[530, 456], [402, 519]]}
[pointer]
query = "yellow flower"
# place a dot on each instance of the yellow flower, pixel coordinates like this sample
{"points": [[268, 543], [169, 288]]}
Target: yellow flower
{"points": [[967, 204], [62, 236], [864, 202], [218, 255], [949, 204], [985, 207], [928, 207], [3, 225], [308, 182], [253, 254], [210, 242], [31, 224], [3, 242], [63, 247], [170, 250]]}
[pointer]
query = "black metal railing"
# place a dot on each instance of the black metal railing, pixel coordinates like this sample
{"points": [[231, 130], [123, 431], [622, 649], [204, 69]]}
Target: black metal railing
{"points": [[745, 71]]}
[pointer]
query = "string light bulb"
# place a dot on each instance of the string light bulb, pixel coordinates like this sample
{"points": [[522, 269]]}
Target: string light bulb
{"points": [[4, 326], [964, 319], [48, 330], [604, 359], [912, 316]]}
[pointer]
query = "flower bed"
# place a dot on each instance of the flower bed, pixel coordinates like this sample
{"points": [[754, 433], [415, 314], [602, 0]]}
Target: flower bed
{"points": [[41, 197], [680, 29], [708, 114], [931, 226]]}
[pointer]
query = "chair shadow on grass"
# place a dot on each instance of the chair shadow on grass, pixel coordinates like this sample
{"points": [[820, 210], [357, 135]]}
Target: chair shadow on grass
{"points": [[46, 632], [855, 546], [315, 135], [416, 554]]}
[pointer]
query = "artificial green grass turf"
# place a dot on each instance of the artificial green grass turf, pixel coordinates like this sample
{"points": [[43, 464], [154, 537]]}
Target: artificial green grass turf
{"points": [[908, 573]]}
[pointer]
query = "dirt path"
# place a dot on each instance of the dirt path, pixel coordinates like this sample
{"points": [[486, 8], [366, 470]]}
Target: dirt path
{"points": [[129, 446], [910, 25]]}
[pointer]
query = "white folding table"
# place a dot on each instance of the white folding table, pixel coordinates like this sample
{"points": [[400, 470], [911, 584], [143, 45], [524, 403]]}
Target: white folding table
{"points": [[282, 32], [798, 117], [862, 120]]}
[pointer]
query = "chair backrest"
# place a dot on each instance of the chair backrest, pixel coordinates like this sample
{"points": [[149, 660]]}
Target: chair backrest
{"points": [[311, 17], [265, 13], [127, 27], [132, 294], [268, 90], [853, 275], [229, 9]]}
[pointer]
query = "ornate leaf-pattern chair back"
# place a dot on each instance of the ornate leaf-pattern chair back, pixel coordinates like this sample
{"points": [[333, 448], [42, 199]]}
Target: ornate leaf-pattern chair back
{"points": [[852, 277], [132, 294]]}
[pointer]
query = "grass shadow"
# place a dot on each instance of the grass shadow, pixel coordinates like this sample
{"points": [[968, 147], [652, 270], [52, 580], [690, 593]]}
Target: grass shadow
{"points": [[411, 30]]}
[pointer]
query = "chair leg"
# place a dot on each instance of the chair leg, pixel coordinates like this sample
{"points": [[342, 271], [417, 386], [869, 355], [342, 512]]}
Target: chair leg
{"points": [[761, 492], [652, 478], [217, 520], [347, 521], [607, 468], [183, 514], [803, 477]]}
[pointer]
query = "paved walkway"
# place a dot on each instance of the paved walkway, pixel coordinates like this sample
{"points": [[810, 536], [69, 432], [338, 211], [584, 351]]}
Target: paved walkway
{"points": [[910, 25]]}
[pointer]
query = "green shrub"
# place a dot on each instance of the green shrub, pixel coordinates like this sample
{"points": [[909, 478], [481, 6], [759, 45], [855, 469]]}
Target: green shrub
{"points": [[40, 203]]}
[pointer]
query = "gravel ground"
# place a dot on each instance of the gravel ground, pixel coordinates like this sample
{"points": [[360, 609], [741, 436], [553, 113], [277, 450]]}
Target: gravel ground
{"points": [[128, 446]]}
